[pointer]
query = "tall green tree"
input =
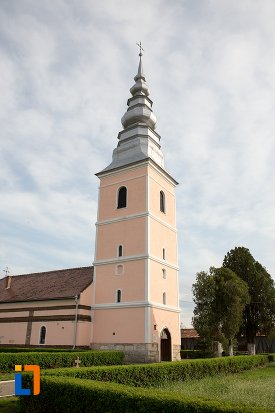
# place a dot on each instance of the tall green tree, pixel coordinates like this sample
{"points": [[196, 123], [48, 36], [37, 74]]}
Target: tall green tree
{"points": [[204, 320], [220, 299], [231, 297], [259, 314]]}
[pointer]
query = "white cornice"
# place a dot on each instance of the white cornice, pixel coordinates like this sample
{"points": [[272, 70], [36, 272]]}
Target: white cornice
{"points": [[134, 304], [135, 165], [124, 180], [164, 263], [163, 173], [119, 170], [118, 260], [134, 216], [163, 223], [119, 219]]}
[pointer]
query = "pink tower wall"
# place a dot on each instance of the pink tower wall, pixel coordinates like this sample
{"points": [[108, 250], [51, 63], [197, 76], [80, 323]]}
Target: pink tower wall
{"points": [[143, 231]]}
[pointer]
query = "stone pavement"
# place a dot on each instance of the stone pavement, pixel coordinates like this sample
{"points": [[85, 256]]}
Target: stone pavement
{"points": [[7, 388]]}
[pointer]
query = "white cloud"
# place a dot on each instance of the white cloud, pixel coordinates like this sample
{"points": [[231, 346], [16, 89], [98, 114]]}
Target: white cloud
{"points": [[65, 77]]}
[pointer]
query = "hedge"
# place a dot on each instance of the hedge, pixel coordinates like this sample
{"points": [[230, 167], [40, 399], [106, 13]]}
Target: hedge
{"points": [[154, 374], [37, 349], [60, 359], [195, 354], [59, 394]]}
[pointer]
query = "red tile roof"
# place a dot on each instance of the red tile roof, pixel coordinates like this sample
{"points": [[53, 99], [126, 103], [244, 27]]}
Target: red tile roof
{"points": [[189, 333], [48, 285]]}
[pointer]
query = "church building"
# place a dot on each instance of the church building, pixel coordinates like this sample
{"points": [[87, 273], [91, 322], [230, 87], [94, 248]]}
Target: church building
{"points": [[129, 299]]}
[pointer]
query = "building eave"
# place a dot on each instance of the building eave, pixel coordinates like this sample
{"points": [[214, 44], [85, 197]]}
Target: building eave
{"points": [[133, 164]]}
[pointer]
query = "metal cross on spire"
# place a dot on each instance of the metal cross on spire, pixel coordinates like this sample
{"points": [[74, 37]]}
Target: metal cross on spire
{"points": [[140, 48]]}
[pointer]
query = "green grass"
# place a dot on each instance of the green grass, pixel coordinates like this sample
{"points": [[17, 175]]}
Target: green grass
{"points": [[7, 376], [254, 388], [9, 405]]}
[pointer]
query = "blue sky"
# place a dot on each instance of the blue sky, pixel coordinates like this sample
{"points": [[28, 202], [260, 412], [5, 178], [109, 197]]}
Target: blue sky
{"points": [[65, 72]]}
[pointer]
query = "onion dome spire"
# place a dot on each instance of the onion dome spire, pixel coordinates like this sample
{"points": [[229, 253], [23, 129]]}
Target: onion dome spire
{"points": [[138, 141], [139, 105]]}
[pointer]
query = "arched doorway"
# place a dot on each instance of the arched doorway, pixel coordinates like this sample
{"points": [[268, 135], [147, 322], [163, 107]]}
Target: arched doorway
{"points": [[165, 345]]}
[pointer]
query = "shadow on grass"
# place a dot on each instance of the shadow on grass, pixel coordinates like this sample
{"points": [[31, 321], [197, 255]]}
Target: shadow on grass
{"points": [[9, 405]]}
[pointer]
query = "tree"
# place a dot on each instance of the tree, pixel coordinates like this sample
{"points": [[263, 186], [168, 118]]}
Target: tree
{"points": [[259, 313], [220, 299], [230, 300], [204, 320]]}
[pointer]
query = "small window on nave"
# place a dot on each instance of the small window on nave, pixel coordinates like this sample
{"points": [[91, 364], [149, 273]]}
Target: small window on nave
{"points": [[164, 298], [42, 336]]}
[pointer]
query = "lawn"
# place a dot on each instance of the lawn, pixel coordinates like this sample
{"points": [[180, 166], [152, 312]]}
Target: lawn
{"points": [[8, 405], [7, 376], [253, 388]]}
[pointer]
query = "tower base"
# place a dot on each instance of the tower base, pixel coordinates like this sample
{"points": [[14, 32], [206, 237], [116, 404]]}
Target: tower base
{"points": [[137, 352]]}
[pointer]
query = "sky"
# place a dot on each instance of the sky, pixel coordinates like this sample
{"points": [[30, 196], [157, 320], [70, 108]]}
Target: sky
{"points": [[66, 68]]}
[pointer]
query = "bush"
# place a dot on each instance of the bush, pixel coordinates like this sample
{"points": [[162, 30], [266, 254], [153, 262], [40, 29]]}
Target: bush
{"points": [[59, 394], [195, 354], [155, 374], [60, 359], [36, 349]]}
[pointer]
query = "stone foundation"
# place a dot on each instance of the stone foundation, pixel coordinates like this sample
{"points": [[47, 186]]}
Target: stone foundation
{"points": [[176, 353], [138, 352], [134, 352]]}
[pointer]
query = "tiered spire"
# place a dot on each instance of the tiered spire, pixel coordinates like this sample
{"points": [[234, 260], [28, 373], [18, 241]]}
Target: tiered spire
{"points": [[138, 140], [139, 106]]}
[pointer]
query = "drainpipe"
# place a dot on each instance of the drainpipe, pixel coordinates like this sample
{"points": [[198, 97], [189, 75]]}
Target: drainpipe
{"points": [[75, 320]]}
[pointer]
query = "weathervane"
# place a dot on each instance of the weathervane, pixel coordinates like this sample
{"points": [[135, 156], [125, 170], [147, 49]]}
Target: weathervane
{"points": [[6, 271], [140, 48]]}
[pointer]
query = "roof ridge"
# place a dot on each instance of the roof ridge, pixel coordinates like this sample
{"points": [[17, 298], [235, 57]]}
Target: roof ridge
{"points": [[46, 272]]}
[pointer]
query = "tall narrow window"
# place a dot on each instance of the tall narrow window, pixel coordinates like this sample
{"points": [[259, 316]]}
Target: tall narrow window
{"points": [[163, 273], [163, 253], [164, 298], [42, 337], [120, 250], [122, 197], [118, 296], [162, 201]]}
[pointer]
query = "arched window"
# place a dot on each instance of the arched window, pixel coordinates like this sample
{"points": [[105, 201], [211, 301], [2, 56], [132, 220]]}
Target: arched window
{"points": [[164, 298], [120, 250], [162, 201], [163, 253], [118, 296], [42, 337], [122, 197]]}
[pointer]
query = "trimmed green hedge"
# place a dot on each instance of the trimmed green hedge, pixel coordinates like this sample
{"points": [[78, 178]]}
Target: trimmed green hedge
{"points": [[195, 354], [63, 394], [60, 359], [36, 350], [155, 374]]}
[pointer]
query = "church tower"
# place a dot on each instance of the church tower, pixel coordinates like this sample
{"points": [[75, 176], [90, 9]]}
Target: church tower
{"points": [[135, 304]]}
